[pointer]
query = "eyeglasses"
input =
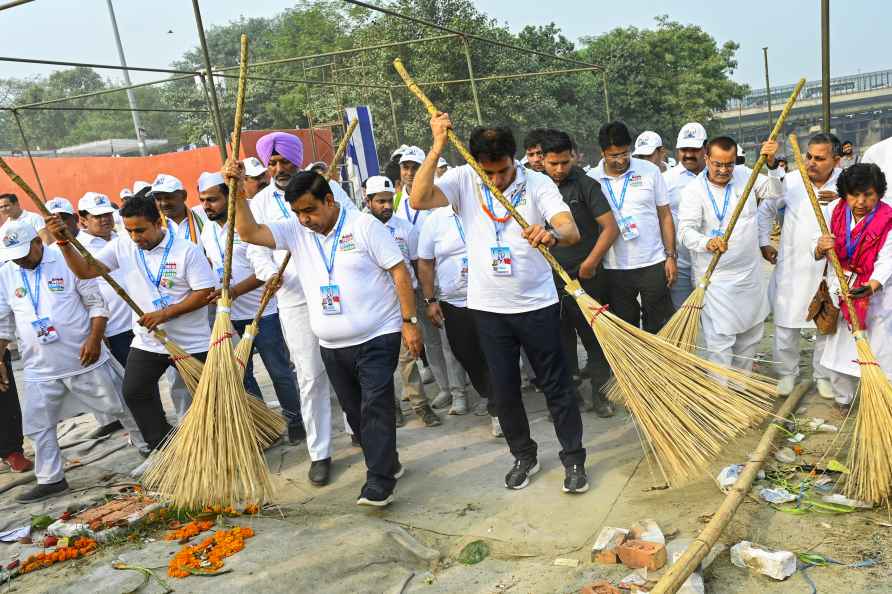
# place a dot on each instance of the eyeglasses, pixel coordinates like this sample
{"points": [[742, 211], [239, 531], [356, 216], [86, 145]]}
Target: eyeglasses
{"points": [[617, 156], [721, 166]]}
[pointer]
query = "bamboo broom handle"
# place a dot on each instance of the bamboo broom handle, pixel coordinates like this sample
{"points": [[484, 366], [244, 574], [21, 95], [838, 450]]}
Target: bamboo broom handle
{"points": [[834, 259], [236, 145], [697, 551], [460, 147], [775, 132]]}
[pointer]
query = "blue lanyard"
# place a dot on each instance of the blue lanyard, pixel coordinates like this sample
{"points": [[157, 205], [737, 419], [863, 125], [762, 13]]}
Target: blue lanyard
{"points": [[622, 197], [156, 279], [33, 295], [285, 211], [186, 223], [408, 216], [461, 230], [329, 262], [499, 227], [852, 245], [219, 247], [715, 207]]}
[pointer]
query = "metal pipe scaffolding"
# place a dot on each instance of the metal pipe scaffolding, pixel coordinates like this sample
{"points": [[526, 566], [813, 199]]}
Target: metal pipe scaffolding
{"points": [[88, 65], [216, 117], [140, 109], [102, 92]]}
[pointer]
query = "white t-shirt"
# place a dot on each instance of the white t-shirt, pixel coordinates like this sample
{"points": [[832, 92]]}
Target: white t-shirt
{"points": [[530, 286], [646, 191], [676, 179], [364, 254], [405, 211], [442, 241], [66, 300], [120, 317], [406, 238], [32, 217], [267, 206], [185, 270], [213, 237], [181, 229]]}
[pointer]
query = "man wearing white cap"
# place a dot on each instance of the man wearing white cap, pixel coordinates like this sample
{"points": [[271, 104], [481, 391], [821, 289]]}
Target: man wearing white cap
{"points": [[256, 176], [649, 146], [11, 210], [60, 321], [691, 161], [442, 166], [125, 194], [141, 188], [62, 207], [171, 281], [246, 291]]}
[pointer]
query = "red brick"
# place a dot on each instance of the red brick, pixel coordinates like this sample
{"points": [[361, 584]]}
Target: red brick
{"points": [[600, 587], [640, 553]]}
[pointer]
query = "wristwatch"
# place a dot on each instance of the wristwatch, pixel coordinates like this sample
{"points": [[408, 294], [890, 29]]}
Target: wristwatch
{"points": [[556, 235], [430, 300], [411, 320], [671, 254]]}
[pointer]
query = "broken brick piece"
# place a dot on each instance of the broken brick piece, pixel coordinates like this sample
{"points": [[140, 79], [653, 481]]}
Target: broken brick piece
{"points": [[600, 587], [640, 553], [604, 549]]}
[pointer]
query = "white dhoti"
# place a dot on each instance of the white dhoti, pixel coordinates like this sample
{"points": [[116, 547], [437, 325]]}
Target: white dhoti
{"points": [[731, 350]]}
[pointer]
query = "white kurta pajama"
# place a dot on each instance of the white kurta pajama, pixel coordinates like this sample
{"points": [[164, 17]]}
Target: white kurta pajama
{"points": [[797, 274], [840, 356], [735, 306]]}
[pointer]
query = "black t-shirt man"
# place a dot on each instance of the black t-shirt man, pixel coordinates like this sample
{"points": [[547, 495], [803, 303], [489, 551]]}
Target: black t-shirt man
{"points": [[587, 202]]}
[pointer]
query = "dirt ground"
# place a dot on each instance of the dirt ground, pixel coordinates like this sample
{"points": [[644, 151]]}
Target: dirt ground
{"points": [[318, 540]]}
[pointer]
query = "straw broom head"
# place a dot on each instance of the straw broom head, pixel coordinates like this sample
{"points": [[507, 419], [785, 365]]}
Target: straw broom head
{"points": [[686, 407], [870, 454]]}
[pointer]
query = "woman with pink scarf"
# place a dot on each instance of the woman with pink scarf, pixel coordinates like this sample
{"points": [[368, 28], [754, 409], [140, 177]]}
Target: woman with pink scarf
{"points": [[860, 224]]}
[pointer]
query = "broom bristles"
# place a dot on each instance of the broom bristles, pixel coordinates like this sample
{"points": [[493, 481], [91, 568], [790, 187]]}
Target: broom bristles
{"points": [[268, 424], [684, 325]]}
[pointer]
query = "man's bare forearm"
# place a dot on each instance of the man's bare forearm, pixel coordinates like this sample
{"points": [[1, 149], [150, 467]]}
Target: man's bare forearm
{"points": [[667, 227], [404, 290], [426, 277]]}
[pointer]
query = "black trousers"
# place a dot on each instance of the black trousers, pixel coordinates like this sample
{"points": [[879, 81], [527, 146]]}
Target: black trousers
{"points": [[573, 323], [10, 415], [650, 284], [538, 332], [141, 394], [119, 346], [464, 340], [362, 378]]}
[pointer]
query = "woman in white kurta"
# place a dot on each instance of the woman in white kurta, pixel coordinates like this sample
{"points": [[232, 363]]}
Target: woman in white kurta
{"points": [[861, 188]]}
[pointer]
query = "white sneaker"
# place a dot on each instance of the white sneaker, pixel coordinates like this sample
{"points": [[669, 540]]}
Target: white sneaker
{"points": [[481, 410], [140, 470], [459, 405], [427, 376], [825, 389], [496, 427], [786, 385], [442, 400]]}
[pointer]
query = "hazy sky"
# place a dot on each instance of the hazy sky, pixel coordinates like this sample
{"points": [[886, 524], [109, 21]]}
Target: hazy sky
{"points": [[79, 30]]}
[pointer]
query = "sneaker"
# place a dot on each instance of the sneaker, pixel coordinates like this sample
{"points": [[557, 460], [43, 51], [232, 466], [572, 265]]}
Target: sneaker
{"points": [[354, 441], [41, 492], [786, 385], [105, 430], [496, 427], [17, 462], [400, 471], [482, 408], [442, 400], [825, 389], [519, 476], [143, 467], [427, 376], [297, 433], [459, 405], [374, 496], [320, 472], [602, 406], [577, 379], [400, 417], [429, 417], [575, 480]]}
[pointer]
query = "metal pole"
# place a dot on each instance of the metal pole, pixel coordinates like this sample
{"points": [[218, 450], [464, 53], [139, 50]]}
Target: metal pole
{"points": [[825, 62], [310, 118], [396, 125], [103, 92], [212, 91], [768, 89], [137, 125], [459, 81], [14, 3], [467, 48], [89, 65], [18, 122], [606, 97]]}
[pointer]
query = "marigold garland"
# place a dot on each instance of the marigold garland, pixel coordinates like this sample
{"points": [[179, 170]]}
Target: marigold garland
{"points": [[189, 530], [80, 547], [208, 555]]}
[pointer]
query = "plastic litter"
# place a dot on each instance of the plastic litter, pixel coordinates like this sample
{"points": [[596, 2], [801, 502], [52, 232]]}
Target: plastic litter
{"points": [[843, 500], [778, 565], [785, 456], [777, 495], [729, 475]]}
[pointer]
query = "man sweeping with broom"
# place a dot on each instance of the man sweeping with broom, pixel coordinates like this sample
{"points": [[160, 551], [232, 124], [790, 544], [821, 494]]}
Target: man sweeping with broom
{"points": [[510, 288]]}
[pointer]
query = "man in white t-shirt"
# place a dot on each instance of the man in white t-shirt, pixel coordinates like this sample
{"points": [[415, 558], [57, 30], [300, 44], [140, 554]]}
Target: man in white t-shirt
{"points": [[60, 321], [256, 176], [11, 210], [649, 147], [510, 287], [246, 291], [641, 264], [361, 306], [171, 281], [170, 196]]}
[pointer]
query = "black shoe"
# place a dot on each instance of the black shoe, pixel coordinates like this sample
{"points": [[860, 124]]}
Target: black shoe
{"points": [[320, 471], [354, 441], [297, 433], [575, 480], [519, 476], [374, 496], [41, 492], [399, 472], [577, 379], [602, 406], [105, 430], [429, 417], [400, 417]]}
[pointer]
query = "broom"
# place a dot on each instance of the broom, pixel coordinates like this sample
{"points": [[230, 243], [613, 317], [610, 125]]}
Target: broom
{"points": [[686, 407], [213, 457], [870, 456], [684, 326], [246, 344], [188, 366]]}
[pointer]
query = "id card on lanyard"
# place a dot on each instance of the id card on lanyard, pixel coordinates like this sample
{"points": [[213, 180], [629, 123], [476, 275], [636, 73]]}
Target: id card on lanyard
{"points": [[852, 243], [280, 201], [500, 255], [330, 294], [720, 215], [44, 330], [628, 226], [222, 253], [155, 280], [463, 273]]}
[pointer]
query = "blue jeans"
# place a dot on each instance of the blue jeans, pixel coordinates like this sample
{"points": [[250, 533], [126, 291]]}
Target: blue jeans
{"points": [[682, 288], [270, 343]]}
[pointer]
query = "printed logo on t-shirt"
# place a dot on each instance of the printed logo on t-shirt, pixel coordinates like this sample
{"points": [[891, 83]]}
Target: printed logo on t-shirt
{"points": [[166, 282], [346, 243], [170, 270], [635, 181], [56, 285], [404, 247], [21, 292]]}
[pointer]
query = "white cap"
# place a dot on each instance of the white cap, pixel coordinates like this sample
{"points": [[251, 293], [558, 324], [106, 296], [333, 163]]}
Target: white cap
{"points": [[166, 183], [125, 194], [646, 143], [95, 204], [740, 151], [691, 135], [317, 165], [59, 204], [399, 152], [140, 185], [209, 179], [253, 167], [15, 239], [413, 154], [378, 183], [441, 162]]}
